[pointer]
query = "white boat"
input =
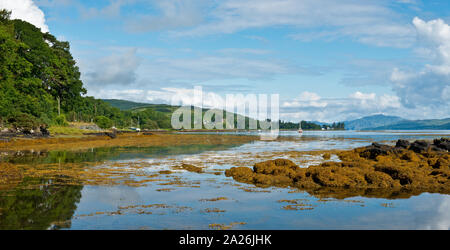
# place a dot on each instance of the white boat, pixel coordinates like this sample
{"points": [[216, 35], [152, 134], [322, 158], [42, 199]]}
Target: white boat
{"points": [[300, 130]]}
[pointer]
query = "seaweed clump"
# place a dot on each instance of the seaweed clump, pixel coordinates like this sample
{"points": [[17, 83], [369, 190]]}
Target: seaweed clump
{"points": [[9, 174], [189, 167], [374, 171]]}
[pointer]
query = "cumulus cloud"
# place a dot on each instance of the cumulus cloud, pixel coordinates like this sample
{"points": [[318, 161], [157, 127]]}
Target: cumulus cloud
{"points": [[310, 106], [306, 99], [26, 10], [117, 69], [429, 85], [170, 95]]}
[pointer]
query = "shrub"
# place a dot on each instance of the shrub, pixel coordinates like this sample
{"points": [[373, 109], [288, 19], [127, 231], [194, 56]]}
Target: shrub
{"points": [[23, 122], [60, 120], [103, 122], [45, 119], [149, 124]]}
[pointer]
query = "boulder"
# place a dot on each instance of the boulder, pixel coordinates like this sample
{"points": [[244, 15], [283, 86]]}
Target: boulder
{"points": [[402, 144], [443, 143], [374, 150], [419, 146], [44, 131], [111, 135]]}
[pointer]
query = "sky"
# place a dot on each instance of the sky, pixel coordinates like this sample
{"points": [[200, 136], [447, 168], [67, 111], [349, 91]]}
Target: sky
{"points": [[327, 60]]}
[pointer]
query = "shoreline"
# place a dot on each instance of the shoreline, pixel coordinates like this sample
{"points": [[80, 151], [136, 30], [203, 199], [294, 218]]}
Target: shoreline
{"points": [[142, 139]]}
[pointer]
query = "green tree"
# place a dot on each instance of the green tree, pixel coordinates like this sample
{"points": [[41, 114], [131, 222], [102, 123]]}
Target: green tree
{"points": [[103, 122]]}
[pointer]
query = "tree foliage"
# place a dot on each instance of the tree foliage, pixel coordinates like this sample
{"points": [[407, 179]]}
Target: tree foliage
{"points": [[103, 122], [35, 70], [39, 78]]}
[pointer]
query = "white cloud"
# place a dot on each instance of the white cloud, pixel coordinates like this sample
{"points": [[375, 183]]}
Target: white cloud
{"points": [[428, 85], [117, 69], [363, 97], [26, 10], [371, 22], [212, 68], [169, 95], [174, 14], [306, 99], [310, 106]]}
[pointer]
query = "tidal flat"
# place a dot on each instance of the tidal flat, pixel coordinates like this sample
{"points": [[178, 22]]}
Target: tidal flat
{"points": [[178, 181]]}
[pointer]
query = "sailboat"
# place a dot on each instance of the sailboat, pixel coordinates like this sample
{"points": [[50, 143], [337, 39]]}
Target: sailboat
{"points": [[300, 130]]}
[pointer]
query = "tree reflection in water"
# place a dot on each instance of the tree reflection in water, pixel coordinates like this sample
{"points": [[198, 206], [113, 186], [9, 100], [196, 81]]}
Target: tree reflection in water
{"points": [[43, 206]]}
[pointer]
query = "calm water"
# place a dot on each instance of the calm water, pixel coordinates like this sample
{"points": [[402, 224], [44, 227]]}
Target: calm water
{"points": [[160, 205]]}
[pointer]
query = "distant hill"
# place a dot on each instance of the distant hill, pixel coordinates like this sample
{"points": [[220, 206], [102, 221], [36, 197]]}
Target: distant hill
{"points": [[129, 105], [436, 124], [162, 109], [372, 122]]}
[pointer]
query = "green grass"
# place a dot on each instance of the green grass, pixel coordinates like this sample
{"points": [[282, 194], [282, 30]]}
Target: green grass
{"points": [[68, 130]]}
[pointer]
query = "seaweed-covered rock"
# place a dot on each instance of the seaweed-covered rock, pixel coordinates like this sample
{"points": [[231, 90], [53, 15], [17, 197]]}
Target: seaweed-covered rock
{"points": [[374, 150], [276, 167], [442, 163], [443, 143], [9, 174], [419, 146], [189, 167], [242, 174], [402, 144], [398, 171], [111, 135]]}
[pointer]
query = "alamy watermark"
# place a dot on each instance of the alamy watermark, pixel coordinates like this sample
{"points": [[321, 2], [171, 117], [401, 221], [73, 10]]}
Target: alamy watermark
{"points": [[234, 112]]}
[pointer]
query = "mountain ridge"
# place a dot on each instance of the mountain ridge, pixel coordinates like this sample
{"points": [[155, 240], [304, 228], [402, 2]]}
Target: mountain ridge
{"points": [[372, 121]]}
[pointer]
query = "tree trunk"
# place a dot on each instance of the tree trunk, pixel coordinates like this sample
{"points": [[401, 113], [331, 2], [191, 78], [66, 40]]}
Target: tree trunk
{"points": [[59, 105]]}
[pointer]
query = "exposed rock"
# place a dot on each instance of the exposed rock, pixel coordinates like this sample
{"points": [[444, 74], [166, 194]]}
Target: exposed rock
{"points": [[44, 131], [111, 135], [189, 167], [377, 170], [326, 156], [402, 144], [419, 146], [375, 150], [443, 143]]}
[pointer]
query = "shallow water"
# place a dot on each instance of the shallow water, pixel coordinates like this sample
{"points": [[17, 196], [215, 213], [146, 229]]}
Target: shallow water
{"points": [[177, 200]]}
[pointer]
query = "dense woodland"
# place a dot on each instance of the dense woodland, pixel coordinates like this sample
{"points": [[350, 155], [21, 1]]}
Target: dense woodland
{"points": [[40, 84], [311, 126]]}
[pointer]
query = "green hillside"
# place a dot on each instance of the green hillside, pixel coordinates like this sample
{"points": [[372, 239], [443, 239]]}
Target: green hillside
{"points": [[129, 105], [434, 124], [372, 122], [164, 111]]}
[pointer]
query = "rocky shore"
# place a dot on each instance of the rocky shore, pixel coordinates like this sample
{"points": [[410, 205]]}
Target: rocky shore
{"points": [[374, 171]]}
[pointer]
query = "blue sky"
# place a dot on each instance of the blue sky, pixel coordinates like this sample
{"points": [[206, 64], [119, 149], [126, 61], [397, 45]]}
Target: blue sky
{"points": [[328, 60]]}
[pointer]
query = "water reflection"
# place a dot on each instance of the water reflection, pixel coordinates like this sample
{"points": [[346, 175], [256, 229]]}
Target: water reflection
{"points": [[44, 206], [103, 154], [40, 204]]}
